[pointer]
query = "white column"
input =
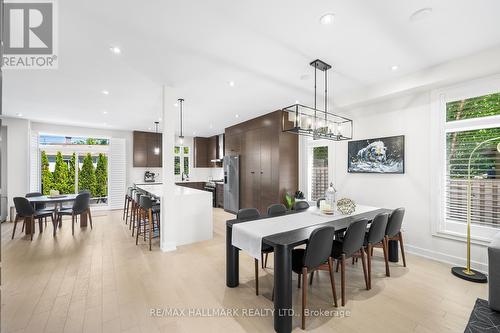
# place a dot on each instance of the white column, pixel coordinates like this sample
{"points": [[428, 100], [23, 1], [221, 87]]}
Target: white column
{"points": [[169, 210]]}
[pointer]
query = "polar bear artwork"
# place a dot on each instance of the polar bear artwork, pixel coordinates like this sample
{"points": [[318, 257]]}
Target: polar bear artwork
{"points": [[384, 155]]}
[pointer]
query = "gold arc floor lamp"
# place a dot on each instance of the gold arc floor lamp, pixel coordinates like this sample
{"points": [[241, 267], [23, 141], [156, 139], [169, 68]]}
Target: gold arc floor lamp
{"points": [[467, 273]]}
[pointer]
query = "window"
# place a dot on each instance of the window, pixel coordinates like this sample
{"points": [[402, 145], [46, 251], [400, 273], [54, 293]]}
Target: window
{"points": [[316, 167], [72, 164], [319, 172], [181, 160], [484, 162], [469, 115]]}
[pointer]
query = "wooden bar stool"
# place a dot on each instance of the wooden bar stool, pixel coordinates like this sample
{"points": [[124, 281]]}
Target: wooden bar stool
{"points": [[147, 224]]}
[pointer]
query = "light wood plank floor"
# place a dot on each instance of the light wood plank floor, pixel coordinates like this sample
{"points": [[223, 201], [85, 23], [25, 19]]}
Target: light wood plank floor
{"points": [[100, 281]]}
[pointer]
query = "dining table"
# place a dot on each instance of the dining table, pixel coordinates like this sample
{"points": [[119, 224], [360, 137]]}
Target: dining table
{"points": [[57, 201], [296, 227]]}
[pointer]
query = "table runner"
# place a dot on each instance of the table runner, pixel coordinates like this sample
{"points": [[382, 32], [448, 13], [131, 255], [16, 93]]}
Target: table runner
{"points": [[248, 236]]}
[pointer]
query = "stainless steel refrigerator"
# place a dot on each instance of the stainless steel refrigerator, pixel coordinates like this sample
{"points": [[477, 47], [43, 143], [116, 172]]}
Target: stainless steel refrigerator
{"points": [[231, 166]]}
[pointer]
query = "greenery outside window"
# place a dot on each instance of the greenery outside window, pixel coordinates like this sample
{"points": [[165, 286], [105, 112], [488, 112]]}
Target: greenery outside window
{"points": [[181, 160]]}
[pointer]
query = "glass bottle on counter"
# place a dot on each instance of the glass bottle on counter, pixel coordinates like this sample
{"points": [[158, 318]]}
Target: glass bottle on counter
{"points": [[330, 196]]}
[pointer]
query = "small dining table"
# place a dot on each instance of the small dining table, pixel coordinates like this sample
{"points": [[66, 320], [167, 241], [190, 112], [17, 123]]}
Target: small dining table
{"points": [[57, 201], [283, 244]]}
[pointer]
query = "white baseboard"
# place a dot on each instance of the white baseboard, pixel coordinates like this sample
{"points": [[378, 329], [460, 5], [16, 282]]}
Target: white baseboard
{"points": [[168, 246], [445, 258]]}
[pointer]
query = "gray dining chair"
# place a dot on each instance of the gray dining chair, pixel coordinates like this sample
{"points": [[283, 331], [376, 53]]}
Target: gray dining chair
{"points": [[316, 253], [300, 205], [393, 231], [246, 214], [80, 206], [375, 236], [272, 210], [39, 206], [27, 212]]}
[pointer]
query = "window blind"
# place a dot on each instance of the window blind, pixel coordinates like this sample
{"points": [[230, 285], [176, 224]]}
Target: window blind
{"points": [[117, 173], [35, 181], [484, 173]]}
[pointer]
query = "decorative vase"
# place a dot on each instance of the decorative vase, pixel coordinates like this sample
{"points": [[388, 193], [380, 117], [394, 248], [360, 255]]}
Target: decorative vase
{"points": [[346, 206]]}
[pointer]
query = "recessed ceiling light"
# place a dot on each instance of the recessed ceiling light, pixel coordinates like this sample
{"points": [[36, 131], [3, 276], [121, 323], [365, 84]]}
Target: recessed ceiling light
{"points": [[159, 119], [19, 114], [105, 92], [394, 67], [231, 83], [297, 102], [304, 77], [327, 19], [104, 112], [420, 14], [194, 133], [149, 128], [105, 124], [176, 104], [115, 49], [237, 115]]}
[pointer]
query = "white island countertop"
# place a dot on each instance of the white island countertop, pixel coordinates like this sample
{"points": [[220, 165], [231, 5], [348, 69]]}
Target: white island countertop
{"points": [[193, 213]]}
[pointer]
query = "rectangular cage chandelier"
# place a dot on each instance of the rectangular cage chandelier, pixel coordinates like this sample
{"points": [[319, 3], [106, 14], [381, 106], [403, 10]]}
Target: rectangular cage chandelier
{"points": [[316, 123]]}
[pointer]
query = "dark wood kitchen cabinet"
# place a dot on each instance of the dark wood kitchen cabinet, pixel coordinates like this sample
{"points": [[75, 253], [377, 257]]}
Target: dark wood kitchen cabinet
{"points": [[219, 194], [144, 149], [200, 152], [212, 149], [268, 160]]}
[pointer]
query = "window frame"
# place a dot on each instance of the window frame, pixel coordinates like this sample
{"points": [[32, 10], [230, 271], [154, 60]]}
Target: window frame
{"points": [[440, 226], [182, 157], [308, 145]]}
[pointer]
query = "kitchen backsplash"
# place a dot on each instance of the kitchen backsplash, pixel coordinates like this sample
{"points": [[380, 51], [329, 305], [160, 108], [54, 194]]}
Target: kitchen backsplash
{"points": [[201, 174]]}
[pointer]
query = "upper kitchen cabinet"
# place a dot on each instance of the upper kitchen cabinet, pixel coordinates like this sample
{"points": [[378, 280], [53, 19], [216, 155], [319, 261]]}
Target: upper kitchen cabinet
{"points": [[144, 154], [208, 151]]}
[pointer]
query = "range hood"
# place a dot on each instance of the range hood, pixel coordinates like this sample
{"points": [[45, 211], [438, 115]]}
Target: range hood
{"points": [[220, 149]]}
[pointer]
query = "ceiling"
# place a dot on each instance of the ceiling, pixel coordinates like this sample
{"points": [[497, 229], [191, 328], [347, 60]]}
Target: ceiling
{"points": [[264, 47]]}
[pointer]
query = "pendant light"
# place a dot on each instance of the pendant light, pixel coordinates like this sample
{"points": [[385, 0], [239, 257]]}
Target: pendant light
{"points": [[156, 149], [312, 121], [181, 136]]}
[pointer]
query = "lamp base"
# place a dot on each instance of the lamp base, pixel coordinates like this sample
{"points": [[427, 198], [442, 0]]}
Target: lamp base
{"points": [[476, 276]]}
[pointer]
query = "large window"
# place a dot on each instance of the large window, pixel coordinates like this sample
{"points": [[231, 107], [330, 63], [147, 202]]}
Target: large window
{"points": [[469, 115], [461, 140], [74, 164], [319, 172]]}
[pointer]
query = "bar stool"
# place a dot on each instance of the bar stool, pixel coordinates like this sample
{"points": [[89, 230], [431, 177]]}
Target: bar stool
{"points": [[135, 210], [126, 205], [146, 212]]}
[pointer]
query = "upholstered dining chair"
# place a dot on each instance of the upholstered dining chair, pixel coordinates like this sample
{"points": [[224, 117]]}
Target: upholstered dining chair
{"points": [[273, 210], [39, 206], [393, 231], [148, 223], [376, 236], [351, 245], [80, 206], [300, 205], [316, 253], [251, 214], [27, 212]]}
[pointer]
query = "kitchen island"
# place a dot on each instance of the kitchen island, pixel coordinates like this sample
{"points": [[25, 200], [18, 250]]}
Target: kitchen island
{"points": [[193, 211]]}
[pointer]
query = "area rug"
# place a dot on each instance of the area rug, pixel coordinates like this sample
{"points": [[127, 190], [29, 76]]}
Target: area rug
{"points": [[483, 319]]}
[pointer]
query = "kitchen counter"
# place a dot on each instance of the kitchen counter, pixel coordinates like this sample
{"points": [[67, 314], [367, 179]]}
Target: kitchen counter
{"points": [[194, 222]]}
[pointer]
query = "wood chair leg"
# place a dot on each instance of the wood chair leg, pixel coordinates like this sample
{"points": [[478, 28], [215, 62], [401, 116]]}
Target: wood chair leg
{"points": [[124, 207], [369, 251], [342, 278], [298, 281], [90, 217], [311, 278], [24, 223], [151, 229], [402, 248], [256, 277], [137, 228], [262, 260], [54, 224], [128, 206], [40, 225], [32, 221], [363, 262], [73, 224], [332, 281], [337, 267], [265, 260], [144, 223], [386, 259], [304, 297], [15, 224]]}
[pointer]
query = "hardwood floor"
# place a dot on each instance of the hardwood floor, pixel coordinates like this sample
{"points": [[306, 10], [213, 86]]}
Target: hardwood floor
{"points": [[100, 281]]}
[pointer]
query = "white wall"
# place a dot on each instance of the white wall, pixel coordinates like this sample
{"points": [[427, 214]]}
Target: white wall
{"points": [[18, 140], [409, 116]]}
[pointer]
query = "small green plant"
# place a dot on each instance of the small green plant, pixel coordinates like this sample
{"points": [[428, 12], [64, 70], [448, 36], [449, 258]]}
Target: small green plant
{"points": [[289, 200]]}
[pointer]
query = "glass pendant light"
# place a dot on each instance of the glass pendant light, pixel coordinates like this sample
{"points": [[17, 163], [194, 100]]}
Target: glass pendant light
{"points": [[156, 149]]}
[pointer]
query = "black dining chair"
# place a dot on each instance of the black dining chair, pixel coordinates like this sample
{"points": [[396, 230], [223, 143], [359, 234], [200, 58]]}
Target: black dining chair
{"points": [[27, 212], [39, 206], [393, 231], [376, 236], [126, 204], [251, 214], [80, 206], [273, 210], [316, 253], [300, 205], [351, 245]]}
